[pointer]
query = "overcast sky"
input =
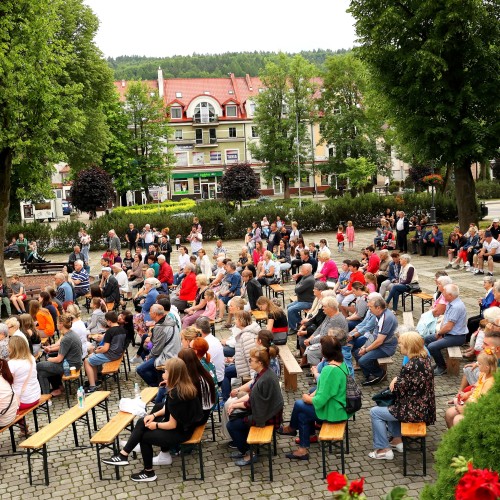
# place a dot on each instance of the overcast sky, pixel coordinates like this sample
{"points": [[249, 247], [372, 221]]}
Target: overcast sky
{"points": [[165, 28]]}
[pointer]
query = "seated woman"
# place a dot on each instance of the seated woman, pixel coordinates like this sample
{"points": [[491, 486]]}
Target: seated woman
{"points": [[43, 319], [407, 277], [325, 404], [329, 271], [428, 321], [244, 259], [277, 321], [136, 272], [268, 270], [414, 400], [200, 302], [360, 307], [235, 304], [262, 406], [283, 256], [466, 251], [484, 303], [187, 290], [28, 327], [127, 262], [487, 363], [8, 399], [167, 427]]}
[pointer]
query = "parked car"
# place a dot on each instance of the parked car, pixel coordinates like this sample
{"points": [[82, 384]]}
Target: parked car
{"points": [[66, 207]]}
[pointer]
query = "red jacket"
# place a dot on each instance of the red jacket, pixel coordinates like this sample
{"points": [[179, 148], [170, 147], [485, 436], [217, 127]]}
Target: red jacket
{"points": [[357, 276], [373, 263], [166, 274], [188, 287]]}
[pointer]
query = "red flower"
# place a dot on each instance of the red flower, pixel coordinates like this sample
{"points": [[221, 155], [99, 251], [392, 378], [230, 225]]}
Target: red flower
{"points": [[478, 484], [336, 481], [357, 486]]}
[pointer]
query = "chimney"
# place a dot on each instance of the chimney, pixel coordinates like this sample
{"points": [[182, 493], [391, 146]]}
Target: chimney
{"points": [[160, 82]]}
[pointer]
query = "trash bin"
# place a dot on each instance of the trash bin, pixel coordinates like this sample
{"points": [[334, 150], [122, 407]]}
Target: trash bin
{"points": [[221, 230], [484, 210]]}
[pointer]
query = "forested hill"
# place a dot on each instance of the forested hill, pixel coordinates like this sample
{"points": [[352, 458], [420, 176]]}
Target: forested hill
{"points": [[202, 65]]}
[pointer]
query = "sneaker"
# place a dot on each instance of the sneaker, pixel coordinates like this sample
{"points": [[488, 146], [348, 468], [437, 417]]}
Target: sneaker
{"points": [[398, 447], [163, 458], [136, 360], [372, 381], [137, 449], [144, 476], [90, 389], [439, 371], [116, 460], [489, 274], [478, 271], [386, 455], [456, 267], [449, 266], [232, 445]]}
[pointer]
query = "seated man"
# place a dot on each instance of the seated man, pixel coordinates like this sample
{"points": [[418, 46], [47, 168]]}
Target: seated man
{"points": [[489, 252], [121, 277], [304, 289], [165, 274], [416, 240], [80, 279], [111, 348], [75, 255], [233, 280], [12, 250], [433, 239]]}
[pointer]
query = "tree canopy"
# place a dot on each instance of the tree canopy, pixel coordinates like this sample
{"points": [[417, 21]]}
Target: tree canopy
{"points": [[239, 183], [436, 65], [92, 188]]}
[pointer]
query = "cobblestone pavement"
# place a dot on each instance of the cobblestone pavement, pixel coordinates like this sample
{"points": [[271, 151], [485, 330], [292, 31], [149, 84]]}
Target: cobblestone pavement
{"points": [[73, 474]]}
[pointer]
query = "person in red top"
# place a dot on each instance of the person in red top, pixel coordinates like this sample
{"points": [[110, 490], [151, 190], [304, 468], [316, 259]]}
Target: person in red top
{"points": [[347, 293], [187, 290], [373, 264], [165, 275]]}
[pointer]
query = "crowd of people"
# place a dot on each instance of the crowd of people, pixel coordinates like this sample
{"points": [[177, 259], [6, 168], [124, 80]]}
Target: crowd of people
{"points": [[344, 317]]}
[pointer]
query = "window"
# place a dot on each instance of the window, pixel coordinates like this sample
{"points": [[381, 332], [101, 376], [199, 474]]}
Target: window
{"points": [[198, 158], [204, 113], [176, 113], [181, 186], [213, 136], [304, 180], [255, 133], [196, 185], [199, 136], [232, 156], [232, 132], [252, 108], [231, 110], [325, 180], [178, 95], [215, 157], [178, 135], [181, 159]]}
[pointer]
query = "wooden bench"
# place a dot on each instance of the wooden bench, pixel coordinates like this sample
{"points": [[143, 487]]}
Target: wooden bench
{"points": [[69, 380], [44, 267], [278, 291], [193, 441], [414, 433], [410, 294], [262, 436], [107, 436], [111, 369], [290, 368], [454, 357], [383, 362], [43, 405], [333, 435], [37, 444], [260, 316], [426, 299]]}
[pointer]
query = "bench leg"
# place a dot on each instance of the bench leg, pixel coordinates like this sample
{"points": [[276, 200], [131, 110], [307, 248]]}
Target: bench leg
{"points": [[347, 436], [453, 366], [252, 472], [12, 438], [290, 380], [94, 419], [213, 425], [270, 455], [118, 384], [323, 457], [342, 456], [424, 457], [30, 474], [99, 466], [87, 421], [116, 447], [405, 444], [45, 464], [183, 458], [200, 454], [75, 434], [67, 388], [35, 420]]}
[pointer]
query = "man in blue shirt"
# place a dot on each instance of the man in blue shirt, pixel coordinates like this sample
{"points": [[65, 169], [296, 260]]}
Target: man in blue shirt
{"points": [[64, 290], [453, 330], [80, 279]]}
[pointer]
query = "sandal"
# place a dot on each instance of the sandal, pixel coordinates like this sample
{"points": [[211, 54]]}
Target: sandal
{"points": [[385, 455], [56, 393]]}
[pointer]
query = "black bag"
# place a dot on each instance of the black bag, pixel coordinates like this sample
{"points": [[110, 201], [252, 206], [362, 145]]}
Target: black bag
{"points": [[413, 288], [384, 398], [239, 413], [353, 396]]}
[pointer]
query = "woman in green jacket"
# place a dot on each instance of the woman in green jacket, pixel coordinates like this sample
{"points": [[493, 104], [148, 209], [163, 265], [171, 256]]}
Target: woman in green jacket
{"points": [[326, 404]]}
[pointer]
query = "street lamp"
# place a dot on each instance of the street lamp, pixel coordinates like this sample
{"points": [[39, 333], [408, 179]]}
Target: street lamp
{"points": [[433, 208], [298, 156]]}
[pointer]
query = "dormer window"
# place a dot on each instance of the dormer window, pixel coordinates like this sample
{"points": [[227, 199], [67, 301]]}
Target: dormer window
{"points": [[176, 112], [204, 113], [231, 111]]}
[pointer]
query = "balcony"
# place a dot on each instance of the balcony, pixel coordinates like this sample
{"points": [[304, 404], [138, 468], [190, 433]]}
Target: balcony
{"points": [[204, 143], [232, 139], [206, 121]]}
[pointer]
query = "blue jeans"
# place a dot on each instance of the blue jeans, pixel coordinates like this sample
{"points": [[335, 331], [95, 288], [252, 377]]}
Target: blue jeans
{"points": [[302, 419], [149, 373], [239, 429], [346, 352], [394, 294], [357, 343], [383, 420], [435, 345], [368, 362], [353, 323], [229, 373], [178, 277], [294, 310]]}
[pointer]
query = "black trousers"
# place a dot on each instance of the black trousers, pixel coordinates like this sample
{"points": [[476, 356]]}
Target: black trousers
{"points": [[402, 241]]}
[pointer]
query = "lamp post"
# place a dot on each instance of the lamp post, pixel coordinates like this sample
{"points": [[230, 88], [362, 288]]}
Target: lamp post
{"points": [[433, 208], [298, 156]]}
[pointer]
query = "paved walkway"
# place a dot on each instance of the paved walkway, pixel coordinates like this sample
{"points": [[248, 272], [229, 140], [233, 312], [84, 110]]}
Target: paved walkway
{"points": [[74, 474]]}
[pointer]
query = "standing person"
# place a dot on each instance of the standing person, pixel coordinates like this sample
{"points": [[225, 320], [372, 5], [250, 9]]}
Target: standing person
{"points": [[340, 238], [22, 246], [69, 348], [85, 240], [18, 295], [196, 239], [183, 260], [131, 236], [167, 427], [165, 248], [453, 331], [114, 241], [4, 298], [349, 232], [402, 230], [274, 237]]}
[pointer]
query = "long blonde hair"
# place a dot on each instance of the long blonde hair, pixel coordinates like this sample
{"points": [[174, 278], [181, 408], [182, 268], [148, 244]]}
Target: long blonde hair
{"points": [[19, 349], [179, 379], [271, 307]]}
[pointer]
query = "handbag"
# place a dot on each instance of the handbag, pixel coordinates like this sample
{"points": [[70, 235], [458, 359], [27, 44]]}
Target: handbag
{"points": [[413, 288], [384, 398], [239, 413]]}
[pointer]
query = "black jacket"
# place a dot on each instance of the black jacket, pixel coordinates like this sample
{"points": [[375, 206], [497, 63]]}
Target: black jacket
{"points": [[254, 291]]}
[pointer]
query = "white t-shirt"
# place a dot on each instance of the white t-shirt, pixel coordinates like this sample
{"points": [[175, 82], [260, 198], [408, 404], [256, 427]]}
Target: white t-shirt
{"points": [[196, 242], [183, 260], [122, 279], [5, 398], [81, 330], [216, 352], [489, 246], [20, 369]]}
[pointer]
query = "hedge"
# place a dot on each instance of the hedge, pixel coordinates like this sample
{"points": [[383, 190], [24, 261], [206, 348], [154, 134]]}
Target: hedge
{"points": [[488, 190], [312, 217], [475, 437]]}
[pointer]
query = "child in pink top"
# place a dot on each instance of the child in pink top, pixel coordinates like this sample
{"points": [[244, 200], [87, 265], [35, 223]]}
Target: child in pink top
{"points": [[371, 282], [349, 231], [211, 307]]}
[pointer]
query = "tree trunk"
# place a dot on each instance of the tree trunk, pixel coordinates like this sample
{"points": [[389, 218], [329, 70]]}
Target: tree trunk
{"points": [[466, 196], [5, 174], [286, 187], [446, 179]]}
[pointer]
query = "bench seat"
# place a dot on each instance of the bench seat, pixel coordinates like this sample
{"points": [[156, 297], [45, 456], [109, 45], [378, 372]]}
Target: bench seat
{"points": [[454, 357], [333, 434], [414, 433], [290, 368], [262, 436]]}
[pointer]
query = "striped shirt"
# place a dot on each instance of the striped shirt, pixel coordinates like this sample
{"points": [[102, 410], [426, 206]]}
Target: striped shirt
{"points": [[83, 277]]}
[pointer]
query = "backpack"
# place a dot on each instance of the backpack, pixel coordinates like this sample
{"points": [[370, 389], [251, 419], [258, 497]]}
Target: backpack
{"points": [[353, 395]]}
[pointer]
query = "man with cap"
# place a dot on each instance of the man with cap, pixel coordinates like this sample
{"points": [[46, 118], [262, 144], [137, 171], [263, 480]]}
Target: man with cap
{"points": [[489, 252], [109, 287], [495, 229]]}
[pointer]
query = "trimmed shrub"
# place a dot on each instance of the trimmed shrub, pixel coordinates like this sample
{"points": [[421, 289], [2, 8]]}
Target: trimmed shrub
{"points": [[33, 231], [488, 190], [65, 236], [475, 437]]}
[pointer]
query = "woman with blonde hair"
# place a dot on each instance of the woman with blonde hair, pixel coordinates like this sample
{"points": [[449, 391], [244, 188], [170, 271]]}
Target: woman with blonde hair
{"points": [[28, 327], [43, 319], [191, 314], [22, 365], [187, 335], [167, 427], [78, 326], [414, 399], [277, 321]]}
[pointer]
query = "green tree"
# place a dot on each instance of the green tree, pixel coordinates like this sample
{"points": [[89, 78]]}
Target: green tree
{"points": [[360, 172], [92, 188], [437, 67], [348, 121], [148, 126], [283, 113], [239, 183]]}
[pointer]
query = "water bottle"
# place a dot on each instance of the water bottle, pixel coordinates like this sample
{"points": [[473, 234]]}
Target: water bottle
{"points": [[66, 368], [80, 394], [137, 390]]}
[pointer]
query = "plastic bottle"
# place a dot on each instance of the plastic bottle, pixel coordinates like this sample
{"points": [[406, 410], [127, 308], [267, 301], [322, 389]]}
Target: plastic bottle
{"points": [[137, 390], [66, 369], [80, 394]]}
